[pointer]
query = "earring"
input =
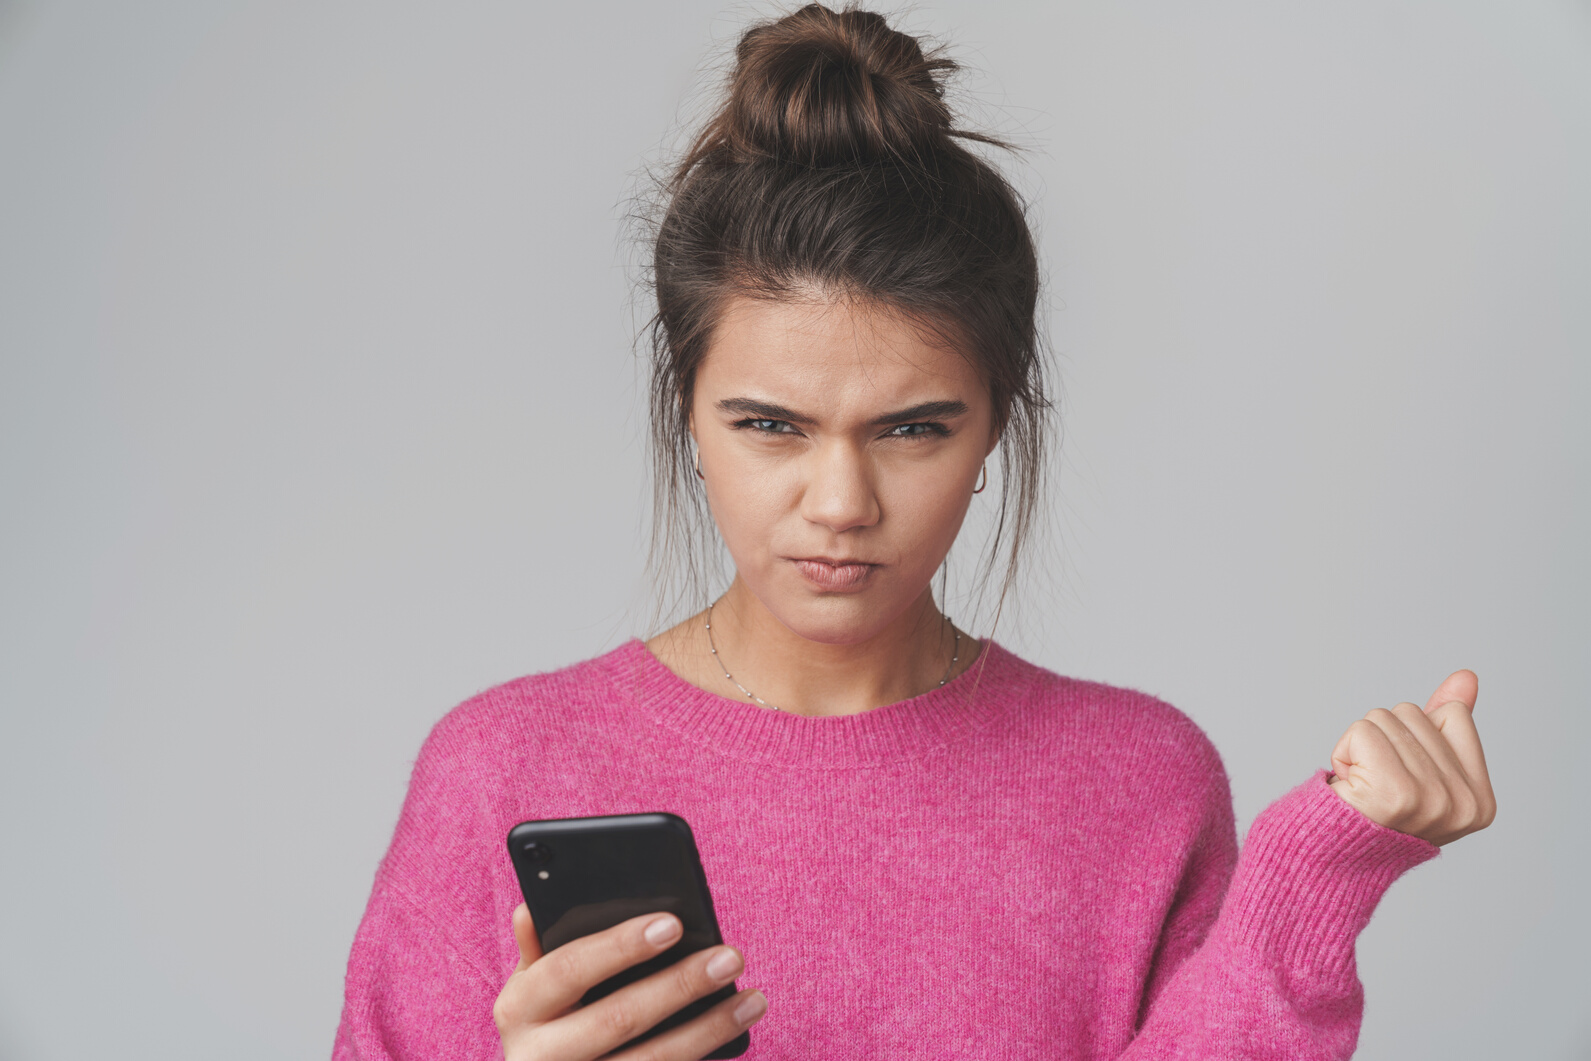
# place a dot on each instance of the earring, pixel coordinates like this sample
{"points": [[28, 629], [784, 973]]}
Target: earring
{"points": [[983, 480], [699, 474]]}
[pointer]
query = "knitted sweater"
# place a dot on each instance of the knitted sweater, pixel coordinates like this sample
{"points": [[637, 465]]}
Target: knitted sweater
{"points": [[1014, 865]]}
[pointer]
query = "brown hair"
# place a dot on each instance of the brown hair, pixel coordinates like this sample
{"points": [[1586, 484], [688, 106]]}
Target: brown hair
{"points": [[834, 163]]}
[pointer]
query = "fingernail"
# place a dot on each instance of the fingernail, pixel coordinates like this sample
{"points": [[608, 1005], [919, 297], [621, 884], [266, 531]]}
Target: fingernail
{"points": [[750, 1008], [664, 930], [724, 965]]}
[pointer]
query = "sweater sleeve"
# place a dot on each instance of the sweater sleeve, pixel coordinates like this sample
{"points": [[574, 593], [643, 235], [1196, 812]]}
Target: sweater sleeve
{"points": [[1273, 977], [426, 961]]}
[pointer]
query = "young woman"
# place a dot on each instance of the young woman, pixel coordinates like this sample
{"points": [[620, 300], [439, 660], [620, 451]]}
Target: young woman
{"points": [[920, 846]]}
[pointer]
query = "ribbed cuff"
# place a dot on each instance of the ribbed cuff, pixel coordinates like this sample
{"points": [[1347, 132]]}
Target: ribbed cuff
{"points": [[1310, 875]]}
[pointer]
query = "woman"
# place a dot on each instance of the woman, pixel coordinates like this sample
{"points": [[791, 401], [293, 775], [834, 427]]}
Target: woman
{"points": [[919, 844]]}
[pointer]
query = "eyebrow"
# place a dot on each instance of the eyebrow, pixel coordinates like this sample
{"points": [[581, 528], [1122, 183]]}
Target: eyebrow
{"points": [[937, 410]]}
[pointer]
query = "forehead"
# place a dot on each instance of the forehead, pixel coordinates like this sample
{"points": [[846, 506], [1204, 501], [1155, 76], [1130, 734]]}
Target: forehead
{"points": [[832, 354]]}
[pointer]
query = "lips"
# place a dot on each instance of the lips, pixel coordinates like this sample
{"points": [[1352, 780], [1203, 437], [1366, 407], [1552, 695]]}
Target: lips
{"points": [[835, 576]]}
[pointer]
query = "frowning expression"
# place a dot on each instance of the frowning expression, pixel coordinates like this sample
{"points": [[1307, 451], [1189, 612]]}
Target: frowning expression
{"points": [[840, 445]]}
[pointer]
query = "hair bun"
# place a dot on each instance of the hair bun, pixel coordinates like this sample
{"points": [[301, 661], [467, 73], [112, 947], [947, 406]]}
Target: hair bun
{"points": [[820, 87]]}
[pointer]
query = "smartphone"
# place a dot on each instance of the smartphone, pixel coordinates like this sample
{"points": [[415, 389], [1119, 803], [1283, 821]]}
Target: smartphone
{"points": [[583, 875]]}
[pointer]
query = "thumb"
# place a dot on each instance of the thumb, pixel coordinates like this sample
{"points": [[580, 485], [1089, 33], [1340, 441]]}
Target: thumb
{"points": [[525, 936], [1461, 685]]}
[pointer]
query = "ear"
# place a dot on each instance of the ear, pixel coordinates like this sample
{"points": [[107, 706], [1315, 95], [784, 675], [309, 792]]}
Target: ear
{"points": [[996, 429], [994, 438]]}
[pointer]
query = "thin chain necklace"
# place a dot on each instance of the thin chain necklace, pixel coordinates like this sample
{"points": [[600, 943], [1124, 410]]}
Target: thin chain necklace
{"points": [[955, 654]]}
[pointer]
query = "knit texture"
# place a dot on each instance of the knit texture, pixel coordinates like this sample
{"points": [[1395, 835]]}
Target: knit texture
{"points": [[1015, 865]]}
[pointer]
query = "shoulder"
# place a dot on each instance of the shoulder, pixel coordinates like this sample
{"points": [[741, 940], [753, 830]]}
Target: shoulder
{"points": [[496, 744], [1118, 721], [1128, 754], [502, 722], [482, 761]]}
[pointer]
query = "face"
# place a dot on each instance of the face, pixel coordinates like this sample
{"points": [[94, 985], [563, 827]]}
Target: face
{"points": [[840, 448]]}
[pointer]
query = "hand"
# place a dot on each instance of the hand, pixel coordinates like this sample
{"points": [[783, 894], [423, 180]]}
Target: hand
{"points": [[537, 1015], [1419, 772]]}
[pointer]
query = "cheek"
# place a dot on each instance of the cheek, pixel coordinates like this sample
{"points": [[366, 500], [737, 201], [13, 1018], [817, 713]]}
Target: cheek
{"points": [[924, 513], [748, 499]]}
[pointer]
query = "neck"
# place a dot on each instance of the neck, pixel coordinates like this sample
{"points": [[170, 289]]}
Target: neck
{"points": [[908, 657]]}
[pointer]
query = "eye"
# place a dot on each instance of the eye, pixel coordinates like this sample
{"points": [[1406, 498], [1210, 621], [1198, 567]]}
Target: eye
{"points": [[916, 430], [771, 427]]}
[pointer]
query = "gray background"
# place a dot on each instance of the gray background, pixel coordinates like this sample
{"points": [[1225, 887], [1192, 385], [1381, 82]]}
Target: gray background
{"points": [[319, 415]]}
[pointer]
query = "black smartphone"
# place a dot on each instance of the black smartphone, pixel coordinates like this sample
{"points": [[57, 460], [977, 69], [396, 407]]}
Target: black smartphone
{"points": [[583, 875]]}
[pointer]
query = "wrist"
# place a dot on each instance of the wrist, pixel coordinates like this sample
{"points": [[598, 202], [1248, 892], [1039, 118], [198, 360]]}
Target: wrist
{"points": [[1311, 872]]}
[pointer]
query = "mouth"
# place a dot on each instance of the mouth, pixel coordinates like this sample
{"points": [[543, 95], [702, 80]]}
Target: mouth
{"points": [[834, 576]]}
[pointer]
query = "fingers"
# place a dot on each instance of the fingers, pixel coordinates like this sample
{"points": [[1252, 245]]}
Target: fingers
{"points": [[540, 990], [1448, 734], [610, 1022], [1461, 685], [1457, 727], [1364, 751], [525, 936], [1373, 772], [697, 1038], [538, 1015], [1425, 751], [1420, 771], [560, 979]]}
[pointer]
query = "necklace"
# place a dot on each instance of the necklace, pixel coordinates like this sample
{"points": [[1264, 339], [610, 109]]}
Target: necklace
{"points": [[955, 654]]}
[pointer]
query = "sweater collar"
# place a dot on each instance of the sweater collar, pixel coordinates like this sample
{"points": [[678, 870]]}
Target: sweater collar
{"points": [[906, 729]]}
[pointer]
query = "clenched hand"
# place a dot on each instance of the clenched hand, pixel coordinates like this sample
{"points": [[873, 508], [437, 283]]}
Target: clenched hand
{"points": [[1421, 772]]}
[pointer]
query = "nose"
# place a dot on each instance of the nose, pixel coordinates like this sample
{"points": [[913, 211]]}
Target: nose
{"points": [[838, 493]]}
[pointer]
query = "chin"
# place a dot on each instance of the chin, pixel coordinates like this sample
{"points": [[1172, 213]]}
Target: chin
{"points": [[835, 618]]}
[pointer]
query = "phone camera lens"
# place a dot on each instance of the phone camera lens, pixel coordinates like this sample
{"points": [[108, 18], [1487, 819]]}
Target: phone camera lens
{"points": [[537, 854]]}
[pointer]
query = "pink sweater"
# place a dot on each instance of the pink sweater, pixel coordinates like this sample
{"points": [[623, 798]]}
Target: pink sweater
{"points": [[1016, 865]]}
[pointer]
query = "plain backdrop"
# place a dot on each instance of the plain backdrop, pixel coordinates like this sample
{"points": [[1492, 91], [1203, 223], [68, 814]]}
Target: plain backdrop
{"points": [[319, 413]]}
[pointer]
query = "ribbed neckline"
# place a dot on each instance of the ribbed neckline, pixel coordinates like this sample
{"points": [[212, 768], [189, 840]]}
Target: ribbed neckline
{"points": [[906, 729]]}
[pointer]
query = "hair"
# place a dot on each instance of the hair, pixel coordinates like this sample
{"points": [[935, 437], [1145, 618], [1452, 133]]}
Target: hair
{"points": [[834, 164]]}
